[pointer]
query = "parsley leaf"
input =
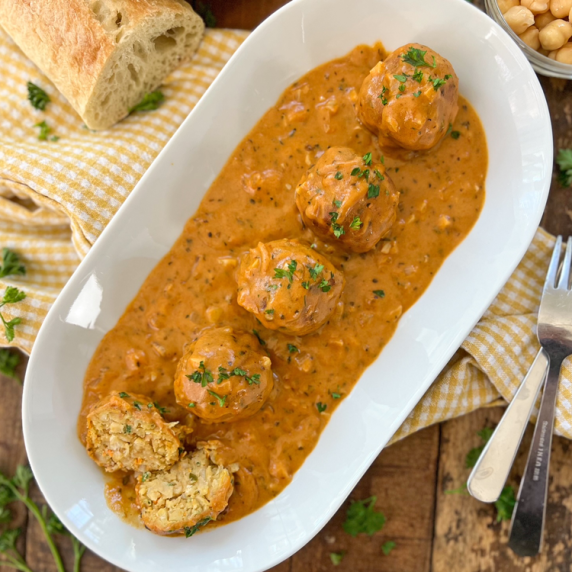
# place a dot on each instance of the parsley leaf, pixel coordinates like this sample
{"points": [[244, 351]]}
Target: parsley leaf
{"points": [[337, 228], [338, 176], [564, 160], [292, 349], [474, 454], [401, 77], [415, 57], [337, 557], [316, 271], [37, 96], [367, 159], [8, 363], [201, 375], [324, 286], [260, 340], [221, 400], [418, 76], [281, 273], [379, 293], [11, 296], [355, 171], [150, 102], [505, 504], [356, 224], [362, 518], [455, 134], [379, 175], [190, 530], [45, 130], [387, 547], [321, 407], [11, 264], [437, 82], [373, 191]]}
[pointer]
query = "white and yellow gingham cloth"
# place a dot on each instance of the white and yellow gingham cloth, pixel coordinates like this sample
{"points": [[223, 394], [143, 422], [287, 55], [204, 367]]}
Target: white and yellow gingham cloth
{"points": [[57, 197]]}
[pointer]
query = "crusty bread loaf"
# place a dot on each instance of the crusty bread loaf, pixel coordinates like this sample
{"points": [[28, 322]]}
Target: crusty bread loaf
{"points": [[103, 55]]}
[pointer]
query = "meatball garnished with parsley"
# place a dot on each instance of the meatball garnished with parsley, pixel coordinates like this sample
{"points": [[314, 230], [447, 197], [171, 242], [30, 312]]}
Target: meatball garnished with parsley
{"points": [[348, 200], [223, 376], [410, 99], [288, 286]]}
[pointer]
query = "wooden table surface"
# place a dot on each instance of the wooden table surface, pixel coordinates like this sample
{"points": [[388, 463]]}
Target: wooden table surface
{"points": [[433, 531]]}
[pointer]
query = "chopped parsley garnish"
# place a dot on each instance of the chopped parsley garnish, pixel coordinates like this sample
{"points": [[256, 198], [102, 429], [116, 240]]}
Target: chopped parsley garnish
{"points": [[336, 395], [387, 547], [356, 224], [564, 160], [221, 400], [11, 264], [269, 311], [202, 375], [306, 285], [281, 273], [150, 102], [37, 96], [321, 407], [401, 77], [379, 293], [398, 96], [337, 203], [237, 372], [146, 476], [338, 176], [355, 171], [372, 191], [260, 340], [11, 296], [418, 76], [474, 454], [364, 174], [124, 395], [8, 363], [161, 410], [367, 159], [505, 504], [402, 88], [337, 228], [417, 94], [383, 100], [193, 477], [316, 271], [293, 349], [337, 557], [190, 530], [437, 82], [137, 405], [324, 286], [362, 518], [416, 58], [455, 134], [379, 175], [45, 130], [127, 429], [191, 404]]}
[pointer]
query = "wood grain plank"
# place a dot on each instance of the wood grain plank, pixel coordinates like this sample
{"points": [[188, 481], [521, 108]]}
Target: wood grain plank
{"points": [[12, 451], [467, 536]]}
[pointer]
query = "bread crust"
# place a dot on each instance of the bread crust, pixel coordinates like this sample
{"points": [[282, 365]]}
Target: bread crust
{"points": [[76, 42]]}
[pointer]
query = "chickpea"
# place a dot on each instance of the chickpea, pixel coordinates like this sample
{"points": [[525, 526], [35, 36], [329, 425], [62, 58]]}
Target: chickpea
{"points": [[542, 20], [536, 6], [519, 19], [506, 5], [564, 54], [560, 8], [555, 35], [530, 37], [552, 55]]}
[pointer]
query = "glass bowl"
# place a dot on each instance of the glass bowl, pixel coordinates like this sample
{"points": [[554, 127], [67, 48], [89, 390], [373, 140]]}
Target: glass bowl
{"points": [[542, 64]]}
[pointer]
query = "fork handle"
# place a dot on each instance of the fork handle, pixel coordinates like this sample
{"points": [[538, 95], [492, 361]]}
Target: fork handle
{"points": [[491, 471], [528, 518]]}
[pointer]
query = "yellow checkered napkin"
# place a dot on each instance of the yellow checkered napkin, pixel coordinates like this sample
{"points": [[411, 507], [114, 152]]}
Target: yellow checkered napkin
{"points": [[57, 196]]}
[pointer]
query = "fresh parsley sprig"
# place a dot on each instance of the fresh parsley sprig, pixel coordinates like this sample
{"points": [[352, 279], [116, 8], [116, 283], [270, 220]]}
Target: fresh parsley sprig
{"points": [[11, 296], [55, 526], [9, 361], [416, 58], [150, 102], [11, 264], [362, 518], [37, 96], [564, 160]]}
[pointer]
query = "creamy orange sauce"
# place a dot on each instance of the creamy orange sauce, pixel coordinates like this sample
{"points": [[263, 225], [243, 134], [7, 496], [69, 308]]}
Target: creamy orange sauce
{"points": [[193, 287]]}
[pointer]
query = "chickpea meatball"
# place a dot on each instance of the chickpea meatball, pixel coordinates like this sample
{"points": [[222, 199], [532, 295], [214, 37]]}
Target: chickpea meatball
{"points": [[288, 286], [185, 497], [348, 199], [410, 99], [125, 432], [223, 376]]}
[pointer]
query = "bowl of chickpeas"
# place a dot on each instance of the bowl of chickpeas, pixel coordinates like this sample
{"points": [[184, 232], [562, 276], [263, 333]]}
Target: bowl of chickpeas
{"points": [[543, 30]]}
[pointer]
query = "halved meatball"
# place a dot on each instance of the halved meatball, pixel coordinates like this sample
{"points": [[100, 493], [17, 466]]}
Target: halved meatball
{"points": [[127, 433], [348, 199], [288, 286], [410, 99], [223, 376], [185, 497]]}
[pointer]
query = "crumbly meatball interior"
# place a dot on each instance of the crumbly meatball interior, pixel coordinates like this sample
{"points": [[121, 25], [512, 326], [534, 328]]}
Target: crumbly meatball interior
{"points": [[128, 434], [289, 286], [410, 99], [348, 200], [189, 494], [223, 376]]}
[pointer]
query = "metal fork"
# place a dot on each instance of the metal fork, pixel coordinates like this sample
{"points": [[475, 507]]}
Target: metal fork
{"points": [[555, 336]]}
